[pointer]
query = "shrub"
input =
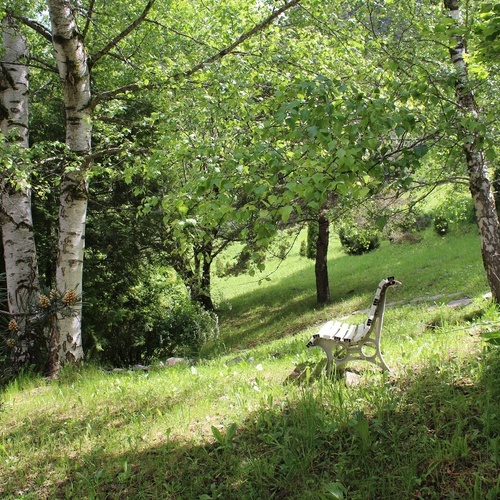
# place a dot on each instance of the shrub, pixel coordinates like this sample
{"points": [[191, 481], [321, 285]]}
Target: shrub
{"points": [[357, 240], [183, 331], [441, 224], [404, 226], [422, 221], [146, 317], [303, 248], [312, 239], [456, 209]]}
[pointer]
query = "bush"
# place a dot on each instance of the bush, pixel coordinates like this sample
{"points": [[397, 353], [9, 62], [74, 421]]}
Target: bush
{"points": [[456, 209], [357, 240], [441, 224], [404, 226], [303, 248], [145, 318], [184, 330], [422, 221], [312, 239]]}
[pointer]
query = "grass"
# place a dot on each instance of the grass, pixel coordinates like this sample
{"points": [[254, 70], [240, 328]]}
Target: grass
{"points": [[253, 313], [240, 425]]}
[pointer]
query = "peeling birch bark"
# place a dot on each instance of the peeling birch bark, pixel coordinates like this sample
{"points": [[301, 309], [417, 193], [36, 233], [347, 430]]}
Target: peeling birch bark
{"points": [[74, 74], [15, 210], [480, 186]]}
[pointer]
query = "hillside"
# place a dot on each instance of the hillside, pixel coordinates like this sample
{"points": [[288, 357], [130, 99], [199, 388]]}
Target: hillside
{"points": [[237, 424]]}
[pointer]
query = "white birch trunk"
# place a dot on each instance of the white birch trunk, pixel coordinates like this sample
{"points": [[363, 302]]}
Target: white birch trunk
{"points": [[74, 73], [15, 213], [479, 181]]}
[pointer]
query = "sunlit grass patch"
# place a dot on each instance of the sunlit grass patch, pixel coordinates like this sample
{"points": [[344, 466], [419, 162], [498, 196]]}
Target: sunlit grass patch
{"points": [[259, 418]]}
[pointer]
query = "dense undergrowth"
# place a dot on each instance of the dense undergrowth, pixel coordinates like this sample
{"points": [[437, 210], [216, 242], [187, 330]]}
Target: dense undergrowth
{"points": [[241, 424]]}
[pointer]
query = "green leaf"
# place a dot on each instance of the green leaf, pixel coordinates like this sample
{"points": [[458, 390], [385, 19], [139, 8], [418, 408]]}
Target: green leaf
{"points": [[217, 435], [381, 222], [337, 490], [421, 150], [285, 212], [491, 335], [231, 431], [490, 154], [182, 207]]}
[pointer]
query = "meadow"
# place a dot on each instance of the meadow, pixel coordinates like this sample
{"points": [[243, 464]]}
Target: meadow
{"points": [[241, 424]]}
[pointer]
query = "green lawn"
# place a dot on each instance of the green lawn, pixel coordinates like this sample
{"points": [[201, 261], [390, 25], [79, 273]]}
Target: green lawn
{"points": [[239, 425]]}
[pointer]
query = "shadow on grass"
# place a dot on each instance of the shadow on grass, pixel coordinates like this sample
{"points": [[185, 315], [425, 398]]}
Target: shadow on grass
{"points": [[289, 306], [285, 308], [430, 434]]}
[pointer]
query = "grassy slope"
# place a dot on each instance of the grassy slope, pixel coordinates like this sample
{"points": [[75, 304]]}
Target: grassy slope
{"points": [[254, 313], [430, 431]]}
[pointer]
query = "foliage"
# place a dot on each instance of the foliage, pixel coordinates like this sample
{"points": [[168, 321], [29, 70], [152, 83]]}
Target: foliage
{"points": [[455, 210], [487, 31], [184, 330], [441, 224], [148, 316], [329, 99], [356, 240], [312, 237]]}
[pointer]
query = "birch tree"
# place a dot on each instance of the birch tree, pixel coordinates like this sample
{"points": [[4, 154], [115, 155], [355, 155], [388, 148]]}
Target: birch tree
{"points": [[75, 65], [480, 185], [15, 209], [74, 74]]}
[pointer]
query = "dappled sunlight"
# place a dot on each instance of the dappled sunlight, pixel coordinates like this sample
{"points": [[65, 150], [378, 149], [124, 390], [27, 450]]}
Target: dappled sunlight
{"points": [[287, 304], [427, 432], [264, 419]]}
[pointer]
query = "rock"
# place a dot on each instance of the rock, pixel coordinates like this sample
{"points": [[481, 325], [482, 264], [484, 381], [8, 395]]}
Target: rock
{"points": [[459, 303], [175, 361], [352, 378], [140, 367], [236, 360]]}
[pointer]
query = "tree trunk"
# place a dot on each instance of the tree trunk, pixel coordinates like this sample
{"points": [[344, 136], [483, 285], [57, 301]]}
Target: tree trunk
{"points": [[321, 266], [205, 295], [201, 280], [15, 213], [74, 73], [480, 185]]}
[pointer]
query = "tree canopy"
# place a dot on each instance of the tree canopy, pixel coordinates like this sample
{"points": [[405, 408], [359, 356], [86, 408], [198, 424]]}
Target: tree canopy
{"points": [[172, 130]]}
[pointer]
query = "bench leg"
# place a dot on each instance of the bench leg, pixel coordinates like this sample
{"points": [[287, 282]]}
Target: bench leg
{"points": [[327, 345], [382, 362], [353, 353]]}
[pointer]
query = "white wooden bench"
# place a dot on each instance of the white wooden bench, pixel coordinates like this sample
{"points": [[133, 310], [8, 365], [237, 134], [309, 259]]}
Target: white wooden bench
{"points": [[343, 342]]}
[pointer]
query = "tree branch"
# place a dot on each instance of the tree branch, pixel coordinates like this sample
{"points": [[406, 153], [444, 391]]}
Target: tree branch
{"points": [[39, 28], [117, 39], [43, 64], [90, 11], [177, 32], [245, 36], [135, 87]]}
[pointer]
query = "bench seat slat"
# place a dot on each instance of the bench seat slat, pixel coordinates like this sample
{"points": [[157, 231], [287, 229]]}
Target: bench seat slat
{"points": [[342, 331], [329, 329], [361, 331], [350, 333]]}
